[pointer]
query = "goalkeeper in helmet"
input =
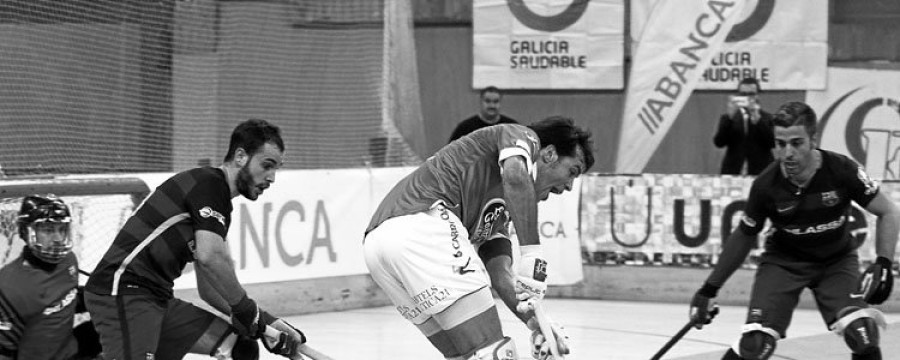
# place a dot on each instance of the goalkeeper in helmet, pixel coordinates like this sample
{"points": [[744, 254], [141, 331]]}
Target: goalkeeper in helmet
{"points": [[39, 290]]}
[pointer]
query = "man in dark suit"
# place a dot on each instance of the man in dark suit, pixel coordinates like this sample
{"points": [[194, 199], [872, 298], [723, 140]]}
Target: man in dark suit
{"points": [[746, 132]]}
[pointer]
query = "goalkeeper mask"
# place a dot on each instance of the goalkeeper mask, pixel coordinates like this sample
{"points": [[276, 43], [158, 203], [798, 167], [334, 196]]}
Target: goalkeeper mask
{"points": [[45, 225]]}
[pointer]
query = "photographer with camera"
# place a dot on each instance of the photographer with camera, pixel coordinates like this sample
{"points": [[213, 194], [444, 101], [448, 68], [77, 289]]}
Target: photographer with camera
{"points": [[745, 130]]}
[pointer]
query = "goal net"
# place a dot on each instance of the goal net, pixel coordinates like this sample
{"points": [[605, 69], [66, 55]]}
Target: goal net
{"points": [[99, 207], [112, 86]]}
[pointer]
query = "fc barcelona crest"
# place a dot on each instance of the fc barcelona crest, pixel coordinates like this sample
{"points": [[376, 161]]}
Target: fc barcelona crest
{"points": [[830, 198]]}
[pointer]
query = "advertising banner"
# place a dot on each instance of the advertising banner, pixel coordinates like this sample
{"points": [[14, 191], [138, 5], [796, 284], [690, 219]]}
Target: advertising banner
{"points": [[671, 219], [548, 44], [858, 117], [782, 43], [677, 42]]}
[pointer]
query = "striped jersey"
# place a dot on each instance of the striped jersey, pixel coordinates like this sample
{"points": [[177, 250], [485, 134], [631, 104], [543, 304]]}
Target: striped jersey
{"points": [[811, 223], [157, 241], [465, 175], [37, 308]]}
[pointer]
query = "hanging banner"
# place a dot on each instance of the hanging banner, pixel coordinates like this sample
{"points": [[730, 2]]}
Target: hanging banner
{"points": [[782, 43], [548, 44], [679, 39], [858, 117]]}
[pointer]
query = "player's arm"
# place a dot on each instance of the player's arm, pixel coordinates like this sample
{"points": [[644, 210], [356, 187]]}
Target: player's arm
{"points": [[518, 189], [217, 269], [734, 252], [208, 292], [887, 226], [497, 257]]}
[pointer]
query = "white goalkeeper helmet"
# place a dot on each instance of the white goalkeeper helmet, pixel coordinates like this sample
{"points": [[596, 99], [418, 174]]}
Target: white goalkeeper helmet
{"points": [[45, 224]]}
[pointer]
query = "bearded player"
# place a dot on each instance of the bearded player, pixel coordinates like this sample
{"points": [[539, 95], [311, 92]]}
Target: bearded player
{"points": [[184, 220], [418, 249], [806, 194]]}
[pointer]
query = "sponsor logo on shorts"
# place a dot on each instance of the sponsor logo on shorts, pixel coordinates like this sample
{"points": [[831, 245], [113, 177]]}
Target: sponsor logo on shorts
{"points": [[424, 300], [454, 231], [6, 325], [207, 212], [462, 270], [149, 356]]}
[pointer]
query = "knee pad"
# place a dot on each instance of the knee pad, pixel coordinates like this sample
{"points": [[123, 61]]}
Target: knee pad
{"points": [[236, 347], [245, 349], [502, 350], [757, 342], [859, 328]]}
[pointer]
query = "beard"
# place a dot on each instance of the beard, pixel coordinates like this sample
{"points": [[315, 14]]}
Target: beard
{"points": [[245, 183]]}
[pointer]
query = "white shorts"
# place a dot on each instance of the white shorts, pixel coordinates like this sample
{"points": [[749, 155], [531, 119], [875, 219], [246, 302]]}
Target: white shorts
{"points": [[424, 262]]}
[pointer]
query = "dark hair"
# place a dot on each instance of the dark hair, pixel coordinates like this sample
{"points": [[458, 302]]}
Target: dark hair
{"points": [[251, 135], [561, 132], [796, 113], [750, 81], [489, 89]]}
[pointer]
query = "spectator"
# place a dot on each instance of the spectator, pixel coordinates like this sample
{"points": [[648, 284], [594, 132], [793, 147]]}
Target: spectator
{"points": [[746, 132], [489, 114]]}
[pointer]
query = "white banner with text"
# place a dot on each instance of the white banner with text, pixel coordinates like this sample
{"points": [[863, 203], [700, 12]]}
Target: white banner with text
{"points": [[310, 224], [548, 44], [783, 44]]}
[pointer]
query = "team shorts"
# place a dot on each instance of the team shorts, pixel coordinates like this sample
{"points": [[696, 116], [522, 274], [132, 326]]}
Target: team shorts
{"points": [[143, 327], [425, 263], [779, 282]]}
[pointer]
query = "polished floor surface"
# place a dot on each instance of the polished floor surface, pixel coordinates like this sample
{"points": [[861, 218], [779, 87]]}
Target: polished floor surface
{"points": [[598, 330]]}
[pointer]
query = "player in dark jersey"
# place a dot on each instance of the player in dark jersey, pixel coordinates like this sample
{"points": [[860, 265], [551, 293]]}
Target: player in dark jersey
{"points": [[806, 194], [420, 246], [186, 219], [38, 290]]}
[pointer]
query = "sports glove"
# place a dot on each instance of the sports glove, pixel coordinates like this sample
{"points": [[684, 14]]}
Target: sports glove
{"points": [[531, 276], [248, 319], [876, 282], [701, 305], [287, 341], [540, 347]]}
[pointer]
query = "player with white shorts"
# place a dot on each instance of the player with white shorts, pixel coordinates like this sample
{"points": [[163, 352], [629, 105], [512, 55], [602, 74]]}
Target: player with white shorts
{"points": [[439, 240]]}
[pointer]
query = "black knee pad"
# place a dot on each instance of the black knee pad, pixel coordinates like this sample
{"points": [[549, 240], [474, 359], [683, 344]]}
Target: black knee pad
{"points": [[862, 336], [859, 328], [245, 349], [756, 345]]}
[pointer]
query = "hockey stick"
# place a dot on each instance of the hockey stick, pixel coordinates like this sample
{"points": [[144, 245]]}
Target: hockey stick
{"points": [[680, 334], [304, 349], [544, 323]]}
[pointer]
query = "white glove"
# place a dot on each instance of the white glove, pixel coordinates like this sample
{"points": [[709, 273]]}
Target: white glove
{"points": [[531, 275], [540, 347]]}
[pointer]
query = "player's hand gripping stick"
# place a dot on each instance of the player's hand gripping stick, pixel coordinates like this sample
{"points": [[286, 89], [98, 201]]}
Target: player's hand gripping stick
{"points": [[273, 334]]}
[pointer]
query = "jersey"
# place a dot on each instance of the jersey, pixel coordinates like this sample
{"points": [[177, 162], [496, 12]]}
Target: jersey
{"points": [[464, 175], [809, 224], [37, 308], [473, 123], [157, 241]]}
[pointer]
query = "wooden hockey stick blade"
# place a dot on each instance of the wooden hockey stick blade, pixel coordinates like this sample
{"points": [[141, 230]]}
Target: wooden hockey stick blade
{"points": [[304, 349], [544, 323]]}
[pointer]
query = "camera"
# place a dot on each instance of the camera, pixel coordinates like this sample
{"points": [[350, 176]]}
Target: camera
{"points": [[741, 101]]}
